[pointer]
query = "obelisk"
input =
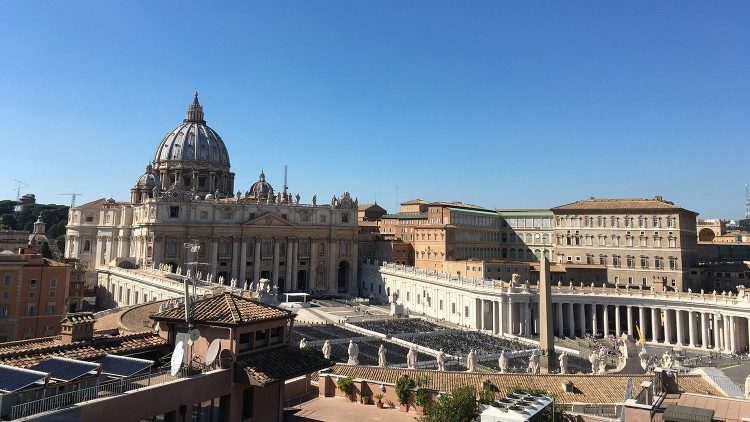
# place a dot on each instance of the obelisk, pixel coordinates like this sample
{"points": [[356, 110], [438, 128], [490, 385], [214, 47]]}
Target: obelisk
{"points": [[546, 316]]}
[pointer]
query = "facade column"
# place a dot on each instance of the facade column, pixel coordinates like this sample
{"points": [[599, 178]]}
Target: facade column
{"points": [[594, 325], [559, 318], [667, 327], [295, 264], [311, 278], [680, 328], [235, 259], [288, 286], [256, 261], [275, 271], [630, 321], [704, 330], [332, 267], [654, 325], [717, 333], [618, 324], [642, 321], [582, 316], [571, 321], [500, 316], [605, 319], [495, 315], [243, 266], [511, 317], [214, 258], [732, 334], [691, 329]]}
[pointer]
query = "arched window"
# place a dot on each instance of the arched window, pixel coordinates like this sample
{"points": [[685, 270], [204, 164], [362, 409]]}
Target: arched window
{"points": [[87, 245]]}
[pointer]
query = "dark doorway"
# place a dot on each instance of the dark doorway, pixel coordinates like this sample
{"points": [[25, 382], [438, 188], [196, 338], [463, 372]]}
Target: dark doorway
{"points": [[301, 280], [226, 278], [280, 285], [343, 276]]}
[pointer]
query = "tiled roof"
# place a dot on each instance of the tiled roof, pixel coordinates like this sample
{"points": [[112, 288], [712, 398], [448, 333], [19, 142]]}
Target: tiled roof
{"points": [[134, 319], [226, 309], [277, 364], [625, 204], [26, 353], [93, 204], [725, 408], [406, 215], [586, 388]]}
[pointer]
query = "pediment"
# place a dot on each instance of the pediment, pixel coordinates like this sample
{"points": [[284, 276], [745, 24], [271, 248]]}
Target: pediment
{"points": [[268, 220]]}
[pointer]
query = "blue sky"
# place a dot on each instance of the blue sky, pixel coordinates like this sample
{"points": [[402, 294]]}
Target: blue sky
{"points": [[504, 104]]}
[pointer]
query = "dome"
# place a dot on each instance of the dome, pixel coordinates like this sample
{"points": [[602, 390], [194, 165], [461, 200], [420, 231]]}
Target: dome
{"points": [[261, 188], [147, 179], [193, 141]]}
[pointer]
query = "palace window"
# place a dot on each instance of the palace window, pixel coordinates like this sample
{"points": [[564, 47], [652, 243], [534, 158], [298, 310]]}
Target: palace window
{"points": [[615, 240], [631, 261], [644, 262], [174, 211], [671, 222], [7, 279], [87, 245], [672, 242], [223, 248], [642, 241], [658, 263], [672, 263], [657, 222], [603, 259], [344, 248], [171, 249], [344, 217], [589, 259], [615, 260]]}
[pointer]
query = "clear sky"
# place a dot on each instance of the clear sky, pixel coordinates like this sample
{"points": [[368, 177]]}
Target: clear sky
{"points": [[504, 104]]}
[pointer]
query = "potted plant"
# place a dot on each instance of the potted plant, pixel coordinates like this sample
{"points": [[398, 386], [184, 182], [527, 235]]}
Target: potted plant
{"points": [[346, 385], [379, 397]]}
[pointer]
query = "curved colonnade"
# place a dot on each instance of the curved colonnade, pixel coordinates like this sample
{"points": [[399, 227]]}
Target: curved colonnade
{"points": [[706, 321]]}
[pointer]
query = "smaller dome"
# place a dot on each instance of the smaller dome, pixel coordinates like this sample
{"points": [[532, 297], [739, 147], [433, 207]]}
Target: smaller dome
{"points": [[147, 179], [261, 188]]}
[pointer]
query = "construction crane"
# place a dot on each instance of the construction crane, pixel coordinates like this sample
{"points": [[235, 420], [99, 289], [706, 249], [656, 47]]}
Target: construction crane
{"points": [[73, 195]]}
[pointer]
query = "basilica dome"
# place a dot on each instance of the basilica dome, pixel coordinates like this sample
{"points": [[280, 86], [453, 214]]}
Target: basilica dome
{"points": [[147, 179], [194, 157], [261, 189]]}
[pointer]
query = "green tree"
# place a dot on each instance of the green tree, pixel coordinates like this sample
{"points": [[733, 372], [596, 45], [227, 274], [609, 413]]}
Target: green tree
{"points": [[459, 406]]}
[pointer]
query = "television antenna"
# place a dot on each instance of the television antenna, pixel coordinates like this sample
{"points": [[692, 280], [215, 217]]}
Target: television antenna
{"points": [[73, 195], [19, 185]]}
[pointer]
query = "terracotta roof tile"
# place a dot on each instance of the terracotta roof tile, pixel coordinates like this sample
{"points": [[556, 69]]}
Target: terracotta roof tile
{"points": [[586, 388], [277, 364], [226, 309], [625, 204]]}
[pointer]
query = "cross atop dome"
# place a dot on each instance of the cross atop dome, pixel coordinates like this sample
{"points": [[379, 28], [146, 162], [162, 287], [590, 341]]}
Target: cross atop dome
{"points": [[195, 112]]}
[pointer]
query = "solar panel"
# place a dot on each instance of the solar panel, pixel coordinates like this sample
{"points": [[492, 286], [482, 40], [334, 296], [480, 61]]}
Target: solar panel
{"points": [[14, 379], [124, 366], [65, 369]]}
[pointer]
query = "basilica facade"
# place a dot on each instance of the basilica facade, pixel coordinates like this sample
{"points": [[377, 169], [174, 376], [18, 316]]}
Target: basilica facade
{"points": [[186, 197]]}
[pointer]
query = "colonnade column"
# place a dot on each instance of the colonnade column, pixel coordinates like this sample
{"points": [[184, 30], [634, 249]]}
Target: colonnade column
{"points": [[594, 325], [582, 315], [494, 316], [717, 333], [481, 314], [527, 319], [642, 321], [618, 324], [605, 320], [654, 325], [501, 316], [571, 321], [275, 273], [256, 262], [680, 328], [295, 263], [235, 259], [732, 333], [704, 330], [726, 324], [511, 319], [559, 319], [691, 329], [630, 321], [667, 327]]}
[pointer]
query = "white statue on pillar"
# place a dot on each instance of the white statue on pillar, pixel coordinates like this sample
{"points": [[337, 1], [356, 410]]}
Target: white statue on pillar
{"points": [[327, 349], [471, 361], [594, 360], [502, 362], [534, 366], [747, 387], [563, 363], [381, 356], [411, 358], [303, 343], [353, 353], [441, 360]]}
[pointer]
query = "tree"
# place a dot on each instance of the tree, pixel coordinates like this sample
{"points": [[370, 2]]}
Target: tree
{"points": [[459, 406]]}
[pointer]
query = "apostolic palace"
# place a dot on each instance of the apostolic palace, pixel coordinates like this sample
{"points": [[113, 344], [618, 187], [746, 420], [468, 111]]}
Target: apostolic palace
{"points": [[187, 195]]}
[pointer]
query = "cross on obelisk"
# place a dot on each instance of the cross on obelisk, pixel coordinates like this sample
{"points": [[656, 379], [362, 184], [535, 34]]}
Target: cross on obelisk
{"points": [[546, 315]]}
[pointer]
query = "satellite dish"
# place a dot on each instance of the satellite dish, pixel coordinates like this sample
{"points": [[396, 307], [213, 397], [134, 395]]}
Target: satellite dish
{"points": [[213, 351], [194, 335], [177, 354]]}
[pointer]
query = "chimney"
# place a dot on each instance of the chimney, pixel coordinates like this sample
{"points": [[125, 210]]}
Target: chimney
{"points": [[76, 327]]}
